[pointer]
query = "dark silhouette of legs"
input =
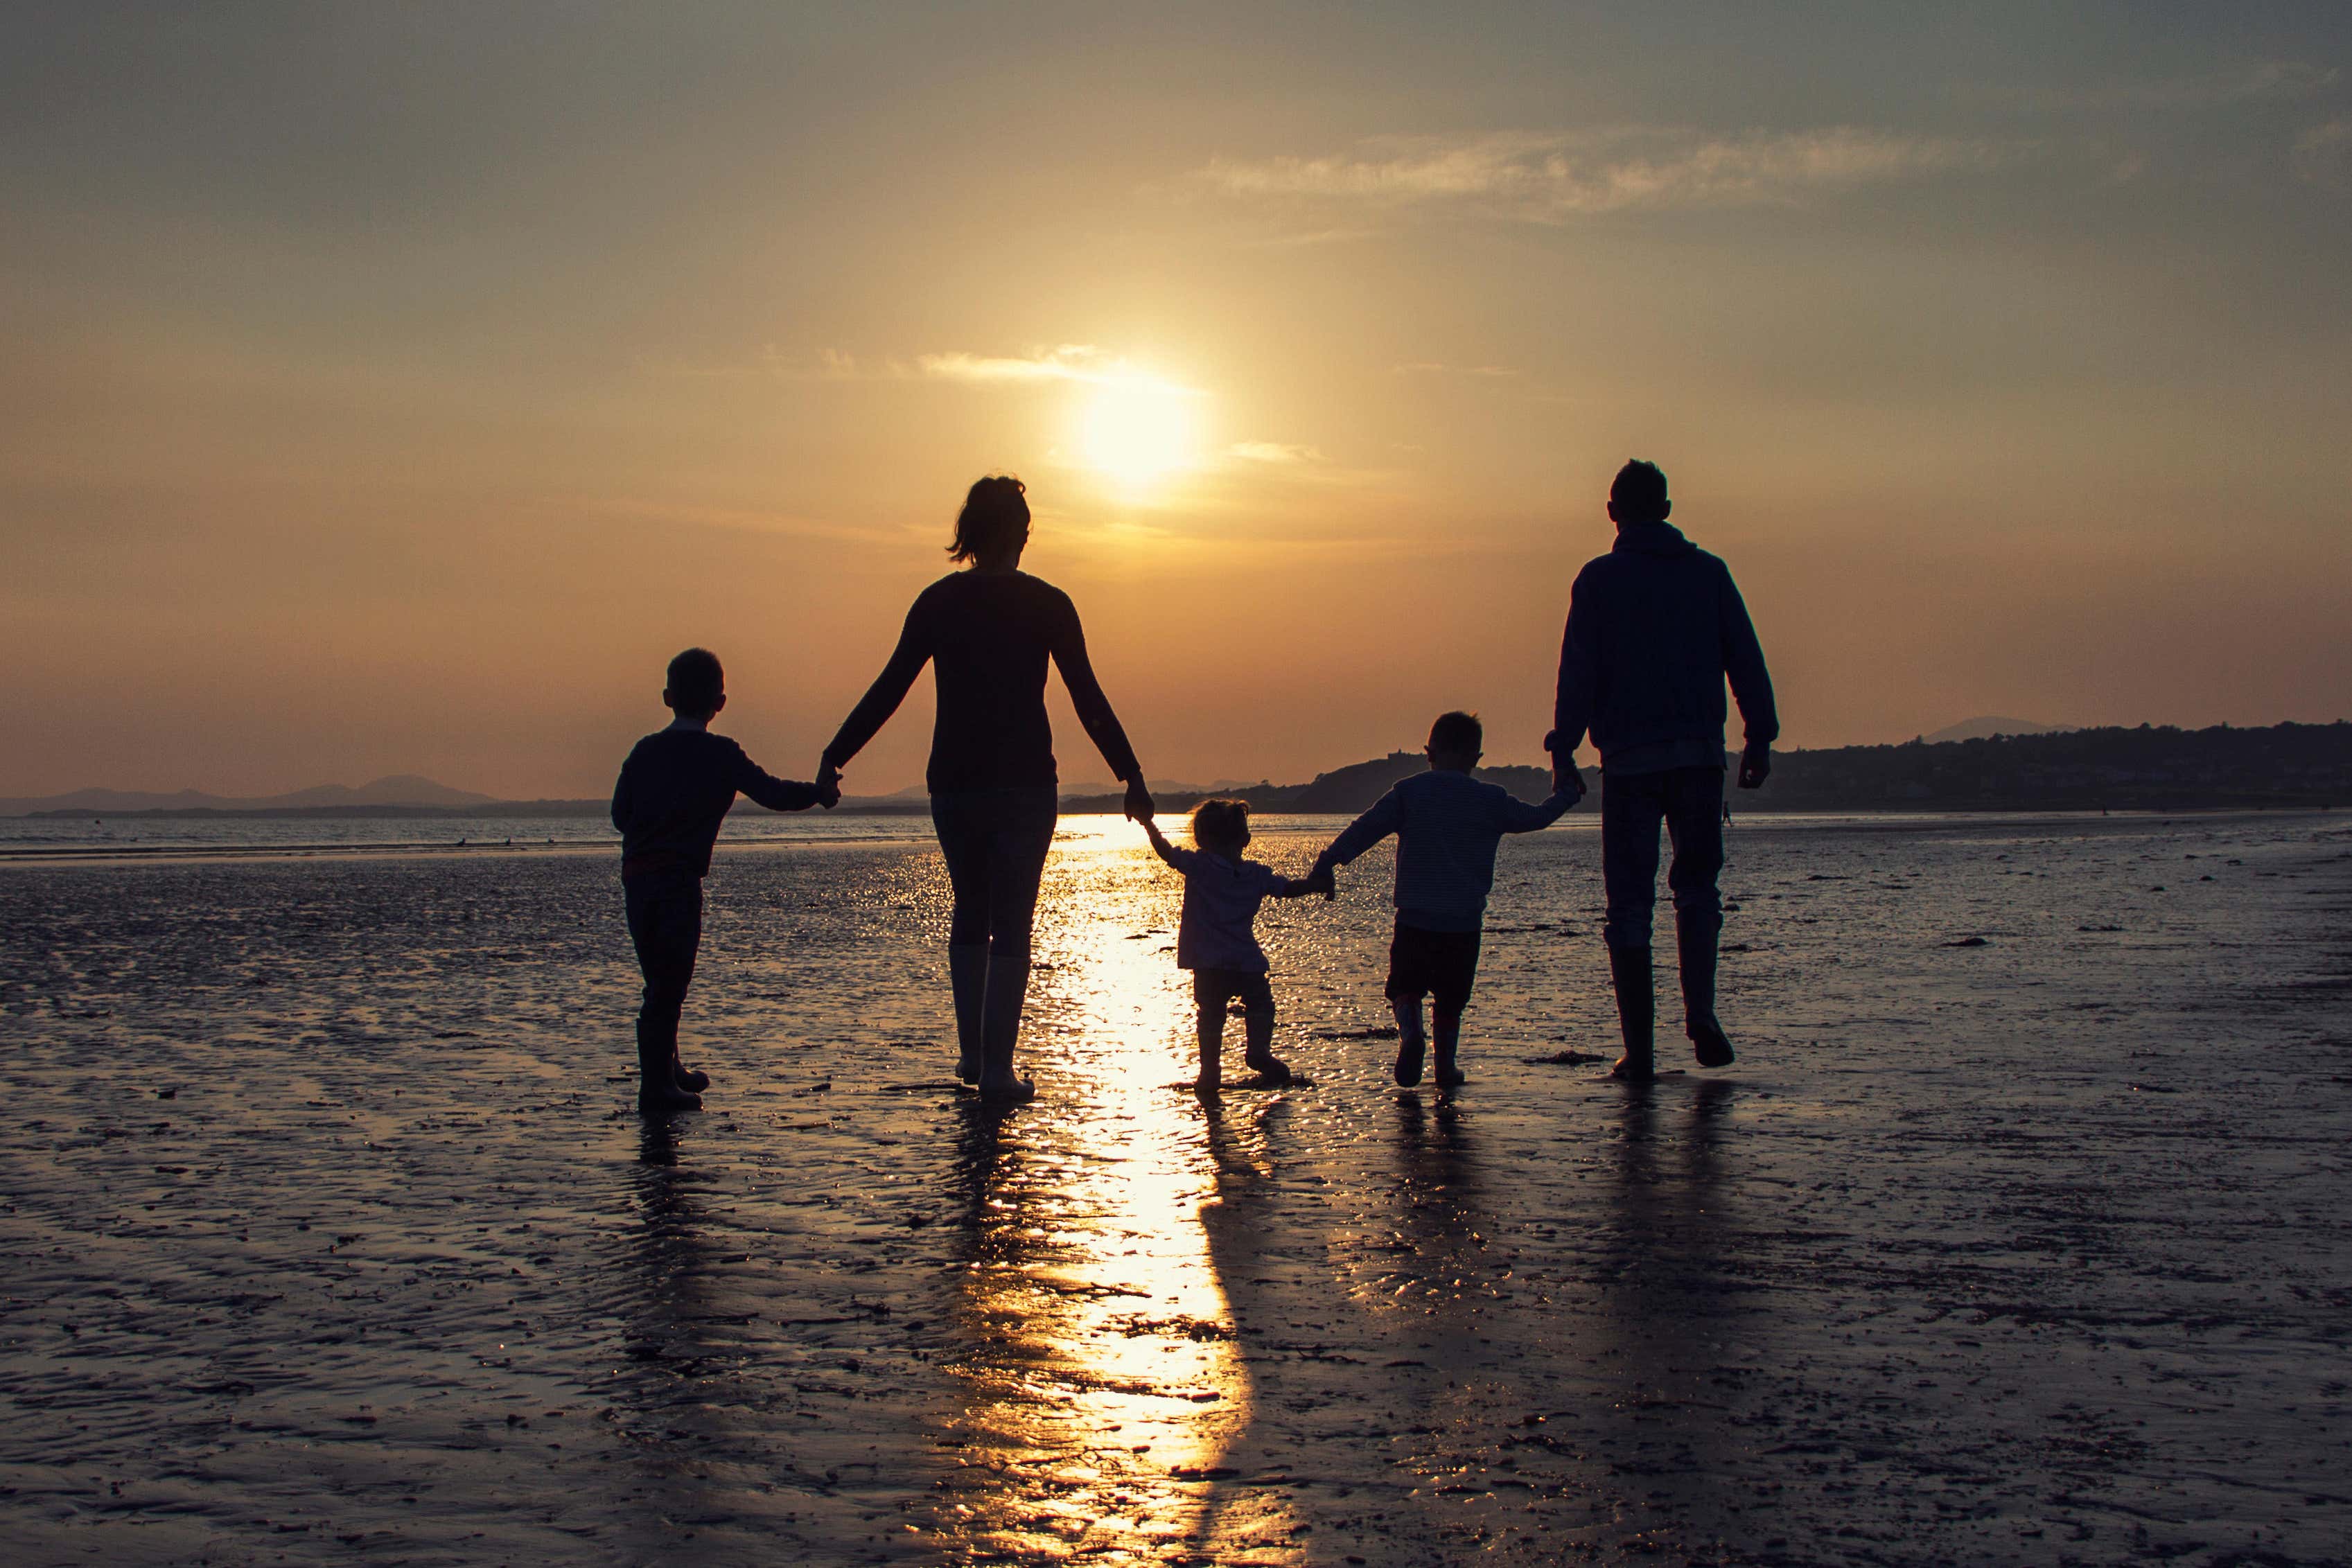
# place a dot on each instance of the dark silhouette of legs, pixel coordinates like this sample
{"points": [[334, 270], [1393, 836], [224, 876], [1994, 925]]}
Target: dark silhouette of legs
{"points": [[1688, 801], [995, 842], [665, 926], [1693, 803]]}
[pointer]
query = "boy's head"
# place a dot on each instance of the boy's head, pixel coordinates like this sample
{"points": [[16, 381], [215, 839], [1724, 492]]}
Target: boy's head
{"points": [[697, 686], [1221, 826], [1638, 495], [1456, 741]]}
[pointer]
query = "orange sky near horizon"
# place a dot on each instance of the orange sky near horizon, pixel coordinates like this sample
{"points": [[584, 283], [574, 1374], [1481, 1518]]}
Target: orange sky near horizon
{"points": [[395, 392]]}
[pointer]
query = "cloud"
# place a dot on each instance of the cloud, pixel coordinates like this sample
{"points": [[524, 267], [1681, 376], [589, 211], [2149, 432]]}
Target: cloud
{"points": [[1070, 362], [2264, 81], [1556, 177], [1434, 368], [1273, 451], [2323, 155]]}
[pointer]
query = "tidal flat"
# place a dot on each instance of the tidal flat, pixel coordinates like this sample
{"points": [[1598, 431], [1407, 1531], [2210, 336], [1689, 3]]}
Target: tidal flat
{"points": [[2021, 1232]]}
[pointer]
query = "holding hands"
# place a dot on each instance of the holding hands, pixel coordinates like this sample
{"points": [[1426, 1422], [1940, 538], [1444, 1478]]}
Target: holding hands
{"points": [[1138, 807], [828, 786]]}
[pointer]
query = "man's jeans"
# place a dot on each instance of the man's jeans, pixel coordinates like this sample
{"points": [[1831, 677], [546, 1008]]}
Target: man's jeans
{"points": [[1689, 801], [666, 923]]}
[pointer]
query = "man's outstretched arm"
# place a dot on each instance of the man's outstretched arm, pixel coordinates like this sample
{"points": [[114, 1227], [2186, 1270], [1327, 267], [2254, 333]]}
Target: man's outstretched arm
{"points": [[1751, 686]]}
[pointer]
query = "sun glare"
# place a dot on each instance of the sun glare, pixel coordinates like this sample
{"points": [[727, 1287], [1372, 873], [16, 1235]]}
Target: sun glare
{"points": [[1137, 433]]}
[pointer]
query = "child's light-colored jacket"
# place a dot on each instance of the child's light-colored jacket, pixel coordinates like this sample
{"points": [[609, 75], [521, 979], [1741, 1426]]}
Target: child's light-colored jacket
{"points": [[1220, 901]]}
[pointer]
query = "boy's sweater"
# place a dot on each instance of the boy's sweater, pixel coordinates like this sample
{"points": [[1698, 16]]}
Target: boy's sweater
{"points": [[1654, 627], [1222, 895], [1447, 825], [674, 790]]}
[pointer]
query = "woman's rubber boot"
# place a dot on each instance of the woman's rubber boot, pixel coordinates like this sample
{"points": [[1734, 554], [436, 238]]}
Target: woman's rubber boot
{"points": [[1694, 949], [1637, 1009], [1008, 989], [968, 979], [658, 1093]]}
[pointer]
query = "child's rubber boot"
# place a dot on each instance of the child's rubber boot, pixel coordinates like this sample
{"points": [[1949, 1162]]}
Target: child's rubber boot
{"points": [[968, 979], [1008, 989], [1694, 949], [1211, 1075], [1409, 1044], [1448, 1031], [1260, 1056], [1629, 974]]}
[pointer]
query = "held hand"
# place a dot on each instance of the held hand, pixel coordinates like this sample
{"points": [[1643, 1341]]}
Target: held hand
{"points": [[1755, 767], [828, 786], [1138, 801], [1568, 780], [1324, 881]]}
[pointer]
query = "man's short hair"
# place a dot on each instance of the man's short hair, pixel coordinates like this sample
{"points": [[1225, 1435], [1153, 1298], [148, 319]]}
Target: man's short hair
{"points": [[1639, 493], [1458, 733], [1218, 823], [696, 681]]}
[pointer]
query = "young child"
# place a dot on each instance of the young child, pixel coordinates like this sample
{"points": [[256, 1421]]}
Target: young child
{"points": [[674, 790], [1447, 825], [1216, 939]]}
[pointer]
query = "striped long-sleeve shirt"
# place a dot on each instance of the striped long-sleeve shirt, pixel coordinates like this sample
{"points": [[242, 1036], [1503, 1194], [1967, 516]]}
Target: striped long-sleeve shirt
{"points": [[1447, 825]]}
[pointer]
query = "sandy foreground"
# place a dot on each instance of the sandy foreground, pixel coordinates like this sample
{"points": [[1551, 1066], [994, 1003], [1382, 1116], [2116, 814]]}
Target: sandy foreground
{"points": [[2021, 1233]]}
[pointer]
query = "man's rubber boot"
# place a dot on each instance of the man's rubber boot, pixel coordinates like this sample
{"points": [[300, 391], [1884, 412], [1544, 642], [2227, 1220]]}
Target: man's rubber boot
{"points": [[1008, 991], [1629, 974], [1694, 949], [692, 1080], [968, 979]]}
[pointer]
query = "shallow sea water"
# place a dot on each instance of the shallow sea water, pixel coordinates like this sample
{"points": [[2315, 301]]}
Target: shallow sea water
{"points": [[329, 1234]]}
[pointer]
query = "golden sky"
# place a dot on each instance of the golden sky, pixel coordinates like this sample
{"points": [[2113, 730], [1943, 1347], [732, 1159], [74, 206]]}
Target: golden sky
{"points": [[394, 389]]}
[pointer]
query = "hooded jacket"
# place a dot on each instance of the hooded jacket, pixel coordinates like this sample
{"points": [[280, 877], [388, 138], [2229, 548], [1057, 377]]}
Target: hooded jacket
{"points": [[1654, 627]]}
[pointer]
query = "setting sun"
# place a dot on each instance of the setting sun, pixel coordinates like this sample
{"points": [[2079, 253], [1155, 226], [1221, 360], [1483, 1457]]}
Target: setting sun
{"points": [[1137, 433]]}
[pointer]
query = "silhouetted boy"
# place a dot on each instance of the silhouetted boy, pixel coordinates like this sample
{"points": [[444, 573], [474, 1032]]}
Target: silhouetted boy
{"points": [[1654, 627], [674, 790], [1217, 937], [1447, 826]]}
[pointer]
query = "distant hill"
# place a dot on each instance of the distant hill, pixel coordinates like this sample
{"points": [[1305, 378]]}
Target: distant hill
{"points": [[1987, 727], [396, 789]]}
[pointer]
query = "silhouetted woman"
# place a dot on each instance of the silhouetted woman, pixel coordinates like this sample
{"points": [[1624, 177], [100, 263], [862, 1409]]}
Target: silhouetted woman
{"points": [[987, 632]]}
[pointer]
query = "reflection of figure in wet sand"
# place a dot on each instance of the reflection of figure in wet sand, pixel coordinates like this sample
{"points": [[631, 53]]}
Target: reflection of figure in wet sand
{"points": [[1654, 628], [1665, 1310], [988, 634]]}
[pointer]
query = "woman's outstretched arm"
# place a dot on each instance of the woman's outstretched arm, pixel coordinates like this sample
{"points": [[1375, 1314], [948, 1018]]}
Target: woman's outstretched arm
{"points": [[1102, 726], [883, 697]]}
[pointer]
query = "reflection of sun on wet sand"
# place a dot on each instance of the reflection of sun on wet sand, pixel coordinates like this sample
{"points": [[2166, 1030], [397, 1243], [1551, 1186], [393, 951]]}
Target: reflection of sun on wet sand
{"points": [[1107, 1382]]}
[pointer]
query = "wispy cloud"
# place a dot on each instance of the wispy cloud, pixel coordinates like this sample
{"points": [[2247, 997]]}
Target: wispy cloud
{"points": [[1069, 362], [1558, 176], [2322, 156], [2263, 81], [1275, 452]]}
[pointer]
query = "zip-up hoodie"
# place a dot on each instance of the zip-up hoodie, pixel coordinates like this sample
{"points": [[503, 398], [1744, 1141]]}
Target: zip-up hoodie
{"points": [[1654, 627]]}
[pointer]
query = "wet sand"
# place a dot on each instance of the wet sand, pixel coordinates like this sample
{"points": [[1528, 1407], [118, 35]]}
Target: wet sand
{"points": [[2018, 1234]]}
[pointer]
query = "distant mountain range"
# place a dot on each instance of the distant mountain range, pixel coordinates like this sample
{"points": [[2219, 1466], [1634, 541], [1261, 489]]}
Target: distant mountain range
{"points": [[396, 789], [2009, 766]]}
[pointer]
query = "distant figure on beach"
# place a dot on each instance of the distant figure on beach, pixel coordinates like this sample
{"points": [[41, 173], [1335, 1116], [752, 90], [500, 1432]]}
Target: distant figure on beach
{"points": [[1654, 627], [1216, 937], [1448, 826], [674, 792], [988, 632]]}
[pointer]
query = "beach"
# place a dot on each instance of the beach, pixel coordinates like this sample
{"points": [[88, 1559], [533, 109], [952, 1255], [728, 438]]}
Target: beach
{"points": [[2021, 1230]]}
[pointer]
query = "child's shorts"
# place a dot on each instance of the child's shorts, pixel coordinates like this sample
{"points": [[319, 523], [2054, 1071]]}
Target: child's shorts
{"points": [[1432, 962], [1214, 989]]}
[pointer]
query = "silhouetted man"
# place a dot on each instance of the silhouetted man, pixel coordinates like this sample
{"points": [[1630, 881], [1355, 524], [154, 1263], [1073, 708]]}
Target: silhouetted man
{"points": [[1654, 627]]}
